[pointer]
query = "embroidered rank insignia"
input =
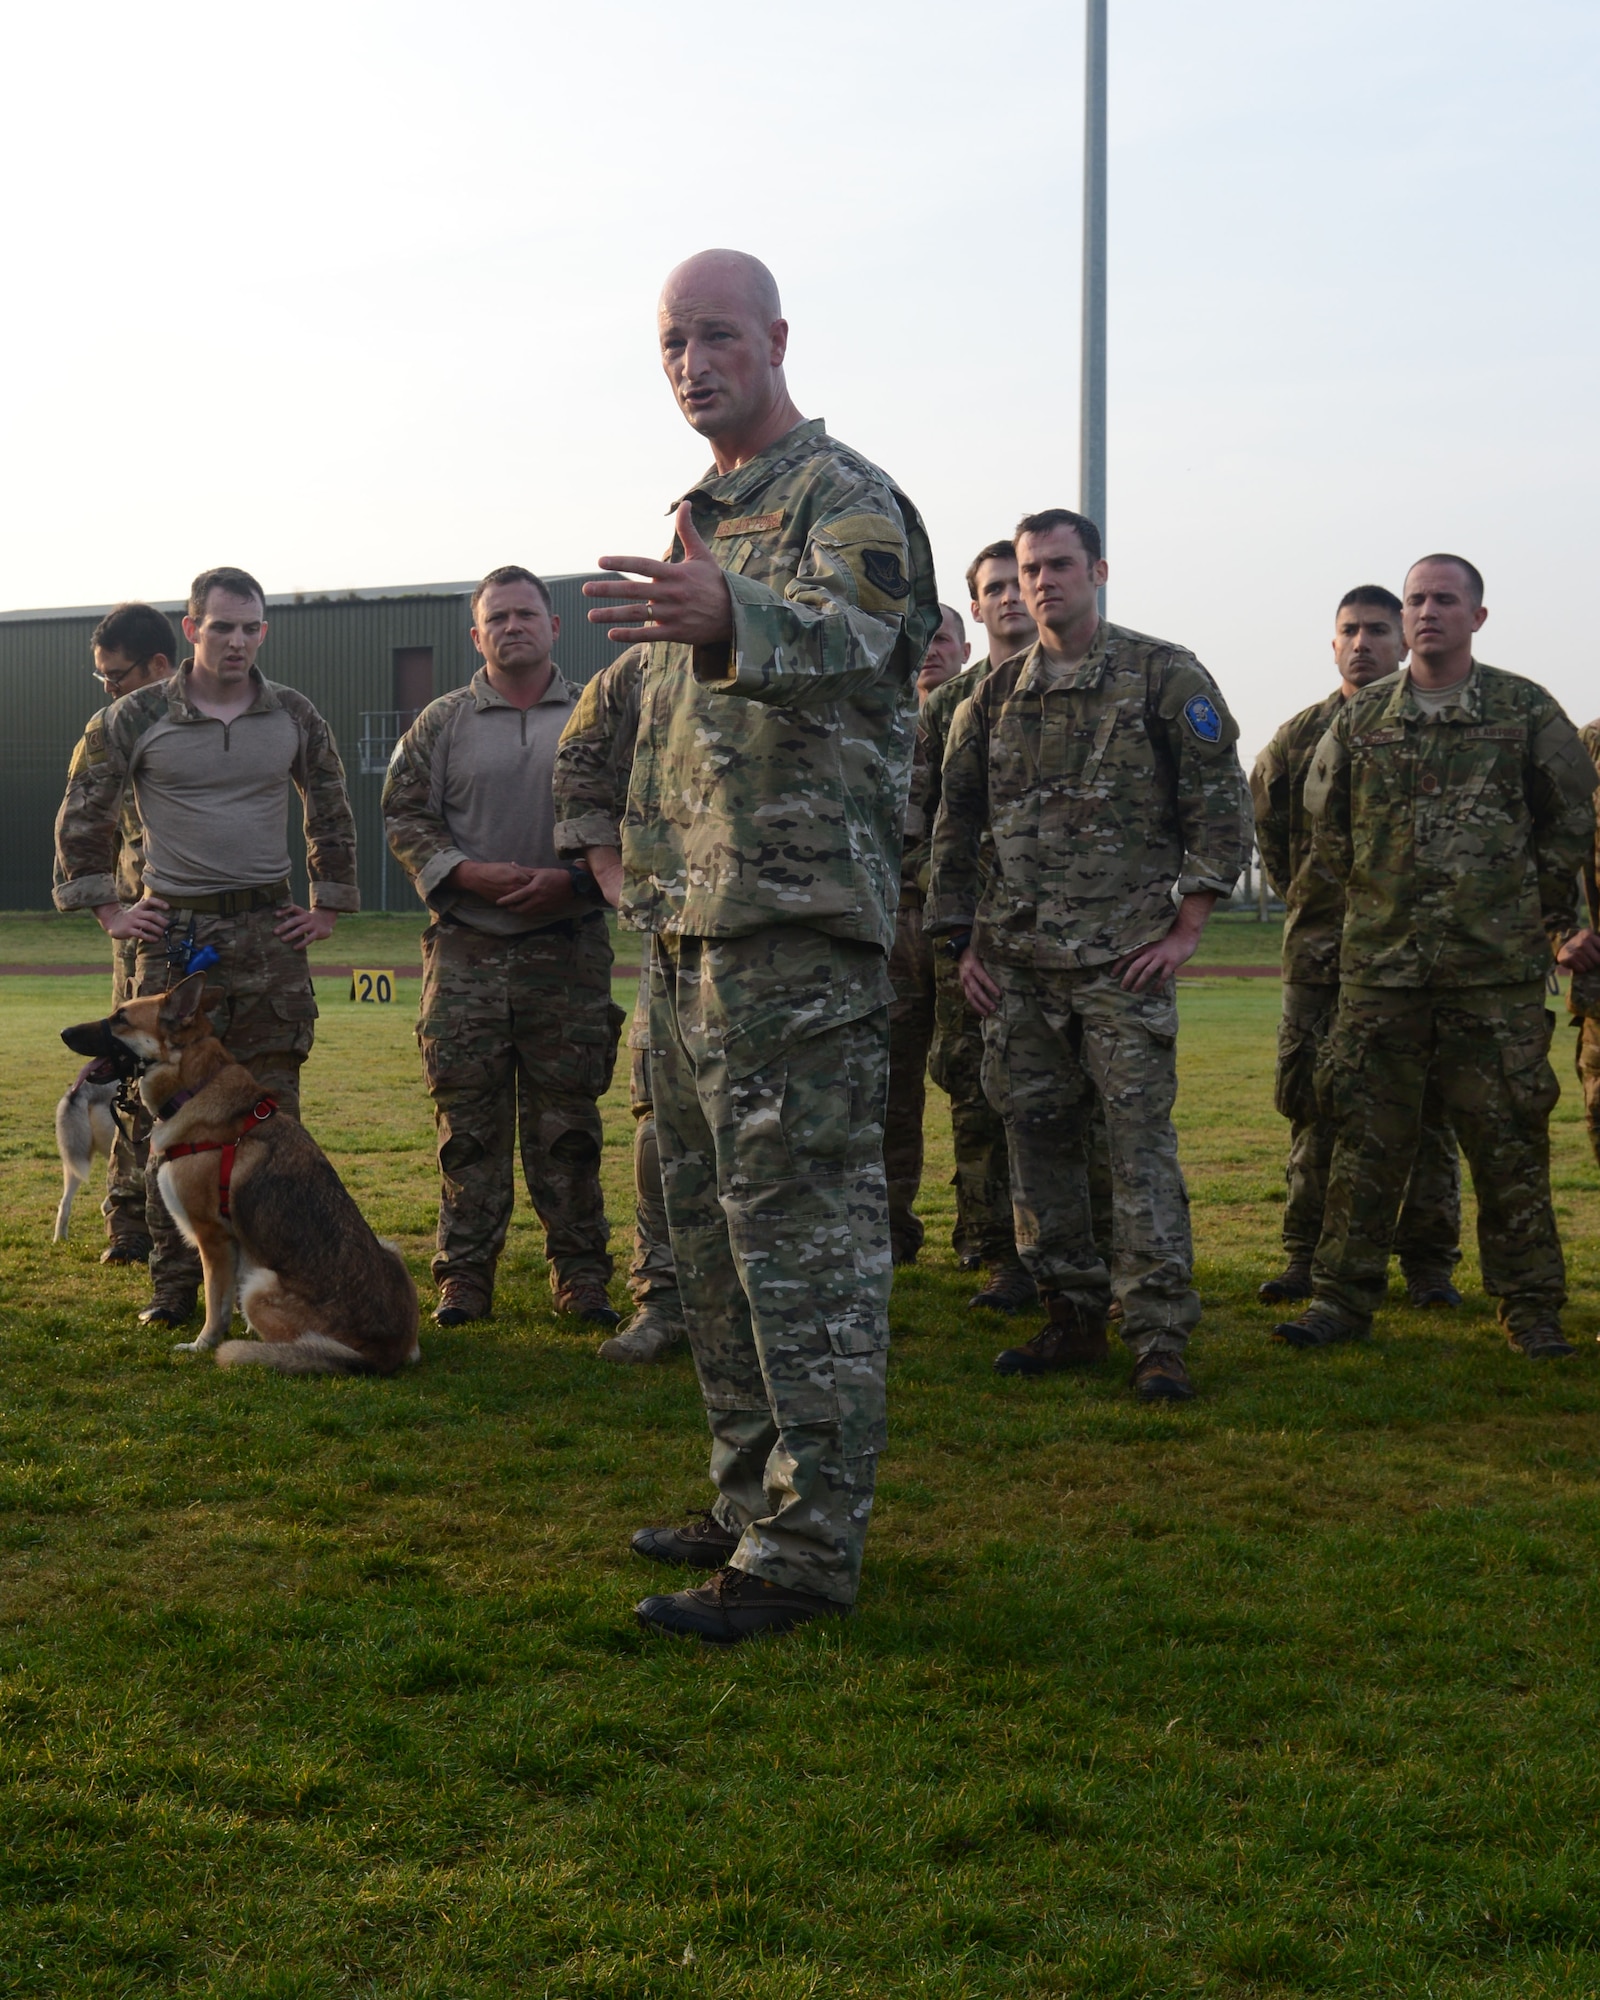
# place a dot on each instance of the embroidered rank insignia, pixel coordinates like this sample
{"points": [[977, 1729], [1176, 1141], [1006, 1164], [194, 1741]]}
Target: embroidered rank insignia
{"points": [[883, 572], [1203, 719], [748, 524]]}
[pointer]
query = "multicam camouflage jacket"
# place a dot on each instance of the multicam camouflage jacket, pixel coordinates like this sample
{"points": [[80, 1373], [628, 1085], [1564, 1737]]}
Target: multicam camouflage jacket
{"points": [[129, 863], [1458, 834], [88, 870], [595, 757], [1583, 996], [1106, 789], [769, 784], [1314, 898], [933, 737]]}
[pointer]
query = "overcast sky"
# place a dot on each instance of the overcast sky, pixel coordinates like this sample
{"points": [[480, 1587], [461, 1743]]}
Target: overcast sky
{"points": [[360, 294]]}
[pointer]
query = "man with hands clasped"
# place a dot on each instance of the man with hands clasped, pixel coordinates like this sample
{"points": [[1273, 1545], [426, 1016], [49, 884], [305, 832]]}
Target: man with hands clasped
{"points": [[1102, 763], [517, 1029]]}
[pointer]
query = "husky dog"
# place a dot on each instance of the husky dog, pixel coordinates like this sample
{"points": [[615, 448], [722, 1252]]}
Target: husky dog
{"points": [[86, 1127], [257, 1196]]}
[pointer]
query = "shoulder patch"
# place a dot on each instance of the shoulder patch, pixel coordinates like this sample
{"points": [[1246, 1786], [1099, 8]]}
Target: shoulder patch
{"points": [[883, 572], [1200, 712]]}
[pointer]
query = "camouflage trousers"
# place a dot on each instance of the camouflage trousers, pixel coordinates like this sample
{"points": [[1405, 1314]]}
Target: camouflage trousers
{"points": [[769, 1057], [1055, 1040], [518, 1038], [1488, 1047], [1428, 1234], [910, 1036], [984, 1228], [123, 1207], [652, 1275], [1587, 1053], [260, 1002]]}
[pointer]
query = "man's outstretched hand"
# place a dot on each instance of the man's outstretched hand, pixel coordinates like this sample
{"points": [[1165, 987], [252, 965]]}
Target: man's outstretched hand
{"points": [[685, 601]]}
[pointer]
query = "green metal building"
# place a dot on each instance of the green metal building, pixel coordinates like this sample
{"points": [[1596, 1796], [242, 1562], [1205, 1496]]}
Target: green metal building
{"points": [[369, 659]]}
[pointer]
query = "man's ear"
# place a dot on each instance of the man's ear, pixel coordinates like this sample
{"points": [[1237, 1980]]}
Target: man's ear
{"points": [[182, 1002]]}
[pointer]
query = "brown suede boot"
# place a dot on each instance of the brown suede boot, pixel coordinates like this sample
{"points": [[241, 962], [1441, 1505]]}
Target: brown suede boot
{"points": [[1074, 1337]]}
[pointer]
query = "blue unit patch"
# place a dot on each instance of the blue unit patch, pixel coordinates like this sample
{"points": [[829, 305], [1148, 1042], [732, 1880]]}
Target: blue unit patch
{"points": [[1203, 719]]}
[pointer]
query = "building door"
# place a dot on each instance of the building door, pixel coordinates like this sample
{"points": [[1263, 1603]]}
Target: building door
{"points": [[413, 683]]}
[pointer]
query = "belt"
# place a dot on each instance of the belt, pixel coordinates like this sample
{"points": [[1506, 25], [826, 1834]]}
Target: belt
{"points": [[234, 902]]}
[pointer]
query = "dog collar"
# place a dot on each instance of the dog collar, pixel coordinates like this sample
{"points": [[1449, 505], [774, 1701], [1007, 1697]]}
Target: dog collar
{"points": [[175, 1103]]}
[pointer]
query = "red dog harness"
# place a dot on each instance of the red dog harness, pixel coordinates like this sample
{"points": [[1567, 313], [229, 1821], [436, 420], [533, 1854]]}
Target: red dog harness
{"points": [[265, 1106]]}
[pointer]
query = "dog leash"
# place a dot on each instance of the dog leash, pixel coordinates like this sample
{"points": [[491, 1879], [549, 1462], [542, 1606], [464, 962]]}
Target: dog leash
{"points": [[264, 1108]]}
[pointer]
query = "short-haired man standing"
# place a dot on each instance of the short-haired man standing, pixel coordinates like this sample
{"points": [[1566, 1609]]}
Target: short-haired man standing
{"points": [[1102, 763], [984, 1234], [1367, 647], [761, 851], [517, 1028], [911, 966], [133, 645], [210, 756], [1453, 803]]}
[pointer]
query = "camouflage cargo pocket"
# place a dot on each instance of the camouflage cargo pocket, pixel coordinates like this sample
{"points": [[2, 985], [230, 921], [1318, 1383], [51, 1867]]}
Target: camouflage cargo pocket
{"points": [[1294, 1086], [1531, 1082]]}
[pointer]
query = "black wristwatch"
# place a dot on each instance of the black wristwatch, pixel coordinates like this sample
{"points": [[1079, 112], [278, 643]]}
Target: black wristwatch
{"points": [[955, 943], [583, 883]]}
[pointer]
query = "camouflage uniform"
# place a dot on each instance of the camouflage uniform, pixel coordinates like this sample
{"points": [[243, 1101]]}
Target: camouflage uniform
{"points": [[761, 847], [517, 1030], [591, 788], [1428, 1237], [259, 995], [1457, 836], [1104, 787], [123, 1206], [1583, 996], [911, 1014], [985, 1231]]}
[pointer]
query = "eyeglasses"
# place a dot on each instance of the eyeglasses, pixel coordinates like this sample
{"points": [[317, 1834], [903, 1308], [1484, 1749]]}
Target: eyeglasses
{"points": [[113, 680]]}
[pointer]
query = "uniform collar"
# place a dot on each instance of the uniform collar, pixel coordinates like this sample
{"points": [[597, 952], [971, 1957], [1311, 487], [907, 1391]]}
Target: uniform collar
{"points": [[1037, 677], [180, 708], [1465, 705], [485, 695], [746, 481]]}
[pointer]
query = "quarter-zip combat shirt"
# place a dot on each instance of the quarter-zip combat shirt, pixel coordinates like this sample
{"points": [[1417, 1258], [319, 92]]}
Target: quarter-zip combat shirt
{"points": [[471, 781]]}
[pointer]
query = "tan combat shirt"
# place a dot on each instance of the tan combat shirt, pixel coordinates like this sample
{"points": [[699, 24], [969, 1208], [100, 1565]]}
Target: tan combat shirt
{"points": [[212, 798], [471, 781]]}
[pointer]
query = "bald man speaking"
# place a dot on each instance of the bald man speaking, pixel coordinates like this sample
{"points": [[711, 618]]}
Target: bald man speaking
{"points": [[761, 851]]}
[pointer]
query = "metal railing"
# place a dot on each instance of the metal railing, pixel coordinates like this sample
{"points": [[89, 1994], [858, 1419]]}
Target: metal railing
{"points": [[381, 730]]}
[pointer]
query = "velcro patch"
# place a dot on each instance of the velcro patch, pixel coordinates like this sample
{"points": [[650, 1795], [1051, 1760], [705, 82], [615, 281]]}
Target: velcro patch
{"points": [[748, 524], [1374, 739], [1495, 732], [1200, 712], [882, 570]]}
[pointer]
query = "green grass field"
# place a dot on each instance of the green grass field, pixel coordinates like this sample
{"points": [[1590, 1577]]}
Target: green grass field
{"points": [[333, 1687]]}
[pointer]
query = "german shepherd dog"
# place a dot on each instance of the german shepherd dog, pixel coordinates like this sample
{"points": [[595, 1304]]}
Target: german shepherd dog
{"points": [[258, 1198]]}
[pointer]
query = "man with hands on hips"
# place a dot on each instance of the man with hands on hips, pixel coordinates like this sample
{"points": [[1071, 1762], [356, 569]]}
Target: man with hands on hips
{"points": [[209, 757]]}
